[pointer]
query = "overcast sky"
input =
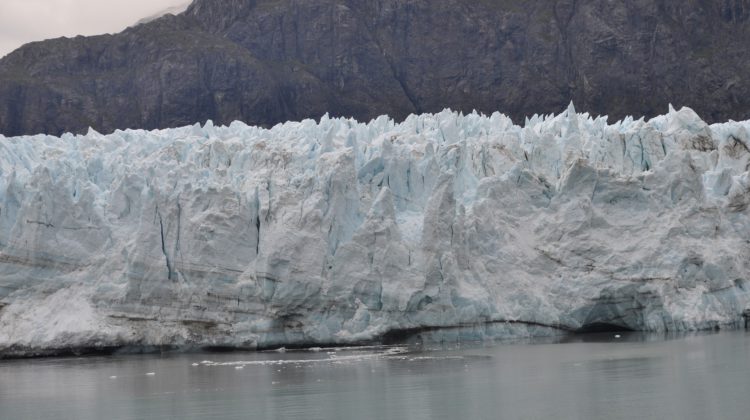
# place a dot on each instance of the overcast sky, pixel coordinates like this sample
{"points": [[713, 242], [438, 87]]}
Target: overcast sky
{"points": [[23, 21]]}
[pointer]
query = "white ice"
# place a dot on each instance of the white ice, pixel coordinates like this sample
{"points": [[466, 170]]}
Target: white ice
{"points": [[338, 231]]}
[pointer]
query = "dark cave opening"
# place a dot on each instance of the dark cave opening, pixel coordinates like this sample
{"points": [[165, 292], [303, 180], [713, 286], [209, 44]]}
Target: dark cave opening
{"points": [[602, 327]]}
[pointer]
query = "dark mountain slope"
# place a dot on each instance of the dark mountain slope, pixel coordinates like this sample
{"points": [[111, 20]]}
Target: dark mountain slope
{"points": [[269, 61]]}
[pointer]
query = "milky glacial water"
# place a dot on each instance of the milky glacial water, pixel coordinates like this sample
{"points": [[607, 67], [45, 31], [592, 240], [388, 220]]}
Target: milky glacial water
{"points": [[634, 376]]}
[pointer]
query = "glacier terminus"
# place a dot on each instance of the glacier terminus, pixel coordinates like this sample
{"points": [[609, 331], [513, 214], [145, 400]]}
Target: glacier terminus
{"points": [[340, 232]]}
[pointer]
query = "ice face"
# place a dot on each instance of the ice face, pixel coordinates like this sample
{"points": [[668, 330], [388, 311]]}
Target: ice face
{"points": [[338, 231]]}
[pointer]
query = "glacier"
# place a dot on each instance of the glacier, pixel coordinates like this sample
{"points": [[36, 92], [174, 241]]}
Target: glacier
{"points": [[341, 232]]}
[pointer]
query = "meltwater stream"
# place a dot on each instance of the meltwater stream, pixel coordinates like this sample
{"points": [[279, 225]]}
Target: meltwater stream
{"points": [[704, 376]]}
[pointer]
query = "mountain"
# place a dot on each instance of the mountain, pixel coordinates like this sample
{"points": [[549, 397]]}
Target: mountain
{"points": [[269, 61], [340, 232]]}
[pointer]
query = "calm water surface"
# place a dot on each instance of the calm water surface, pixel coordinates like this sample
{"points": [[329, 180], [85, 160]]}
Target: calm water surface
{"points": [[594, 377]]}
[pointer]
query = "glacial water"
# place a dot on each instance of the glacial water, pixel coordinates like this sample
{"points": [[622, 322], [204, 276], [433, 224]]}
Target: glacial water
{"points": [[603, 376]]}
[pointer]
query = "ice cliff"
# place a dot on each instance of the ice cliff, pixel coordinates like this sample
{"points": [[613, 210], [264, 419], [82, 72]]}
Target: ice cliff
{"points": [[340, 232]]}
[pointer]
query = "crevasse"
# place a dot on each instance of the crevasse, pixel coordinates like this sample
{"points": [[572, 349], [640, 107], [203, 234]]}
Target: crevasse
{"points": [[341, 232]]}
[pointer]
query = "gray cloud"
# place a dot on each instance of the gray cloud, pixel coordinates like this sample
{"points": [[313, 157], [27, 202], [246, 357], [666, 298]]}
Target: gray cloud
{"points": [[23, 21]]}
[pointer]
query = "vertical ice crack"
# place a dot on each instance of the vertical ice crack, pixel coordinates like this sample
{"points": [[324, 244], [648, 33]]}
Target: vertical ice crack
{"points": [[170, 272], [593, 191], [408, 178], [257, 222], [177, 241], [257, 240], [644, 163]]}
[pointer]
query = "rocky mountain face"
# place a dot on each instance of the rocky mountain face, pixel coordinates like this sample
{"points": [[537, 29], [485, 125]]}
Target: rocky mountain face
{"points": [[267, 61]]}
